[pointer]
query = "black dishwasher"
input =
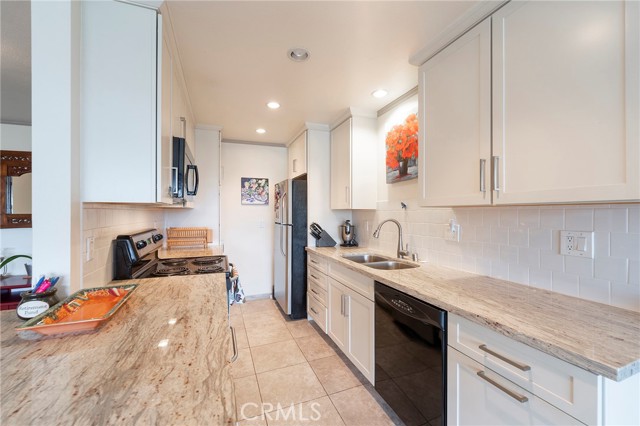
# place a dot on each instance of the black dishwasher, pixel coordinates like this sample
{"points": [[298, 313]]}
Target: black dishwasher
{"points": [[411, 356]]}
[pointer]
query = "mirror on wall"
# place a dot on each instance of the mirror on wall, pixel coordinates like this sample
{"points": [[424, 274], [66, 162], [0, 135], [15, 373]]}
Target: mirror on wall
{"points": [[16, 189]]}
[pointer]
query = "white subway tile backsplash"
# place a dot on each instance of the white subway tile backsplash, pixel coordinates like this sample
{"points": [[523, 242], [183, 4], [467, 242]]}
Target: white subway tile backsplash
{"points": [[578, 265], [565, 283], [540, 238], [528, 217], [610, 220], [579, 219], [595, 289], [551, 261], [521, 244], [625, 296], [611, 268], [552, 218], [634, 219], [625, 245], [540, 278]]}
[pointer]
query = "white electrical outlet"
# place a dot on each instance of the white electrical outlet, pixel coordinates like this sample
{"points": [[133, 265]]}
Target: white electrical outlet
{"points": [[90, 247], [452, 231], [576, 243]]}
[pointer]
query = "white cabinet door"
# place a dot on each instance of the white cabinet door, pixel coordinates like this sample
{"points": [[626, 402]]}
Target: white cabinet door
{"points": [[341, 166], [178, 109], [566, 87], [297, 154], [360, 314], [165, 154], [119, 131], [338, 330], [493, 400], [455, 122]]}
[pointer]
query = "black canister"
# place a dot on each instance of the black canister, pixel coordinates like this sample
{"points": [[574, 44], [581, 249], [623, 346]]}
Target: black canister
{"points": [[33, 304]]}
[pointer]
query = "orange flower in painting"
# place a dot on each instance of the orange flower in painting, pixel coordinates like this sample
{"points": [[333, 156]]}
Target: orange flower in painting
{"points": [[402, 141]]}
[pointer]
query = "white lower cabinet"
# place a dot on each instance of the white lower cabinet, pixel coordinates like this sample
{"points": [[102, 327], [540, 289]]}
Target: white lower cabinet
{"points": [[351, 322], [494, 380], [478, 396]]}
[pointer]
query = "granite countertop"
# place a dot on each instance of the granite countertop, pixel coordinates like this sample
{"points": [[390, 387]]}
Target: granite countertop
{"points": [[119, 373], [186, 252], [599, 338]]}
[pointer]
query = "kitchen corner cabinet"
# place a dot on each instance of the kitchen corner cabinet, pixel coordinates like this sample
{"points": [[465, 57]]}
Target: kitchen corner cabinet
{"points": [[121, 77], [354, 164], [492, 379], [351, 316], [297, 154], [565, 80]]}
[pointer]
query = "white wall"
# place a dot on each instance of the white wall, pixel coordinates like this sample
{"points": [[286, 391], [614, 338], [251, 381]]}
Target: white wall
{"points": [[207, 203], [55, 54], [15, 241], [248, 231], [519, 244]]}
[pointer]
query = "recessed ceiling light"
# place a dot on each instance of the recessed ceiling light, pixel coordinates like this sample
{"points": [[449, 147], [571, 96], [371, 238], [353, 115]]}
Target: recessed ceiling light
{"points": [[298, 54], [273, 105], [261, 131], [380, 93]]}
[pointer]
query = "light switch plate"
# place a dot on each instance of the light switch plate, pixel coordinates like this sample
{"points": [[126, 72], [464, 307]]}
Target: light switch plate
{"points": [[90, 247], [576, 243]]}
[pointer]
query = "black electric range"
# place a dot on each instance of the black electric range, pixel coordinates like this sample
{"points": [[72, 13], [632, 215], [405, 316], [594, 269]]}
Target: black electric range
{"points": [[136, 256]]}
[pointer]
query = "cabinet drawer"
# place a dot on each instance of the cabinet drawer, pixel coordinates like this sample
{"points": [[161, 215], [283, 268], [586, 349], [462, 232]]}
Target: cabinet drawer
{"points": [[317, 277], [317, 311], [354, 280], [563, 385], [317, 262], [477, 395], [317, 290]]}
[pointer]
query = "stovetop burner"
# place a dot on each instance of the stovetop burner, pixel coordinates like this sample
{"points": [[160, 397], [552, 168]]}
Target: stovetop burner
{"points": [[175, 270], [174, 262], [209, 270], [207, 260]]}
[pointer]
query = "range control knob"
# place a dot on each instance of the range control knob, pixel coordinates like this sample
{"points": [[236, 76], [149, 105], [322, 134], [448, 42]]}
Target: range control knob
{"points": [[157, 237], [141, 244]]}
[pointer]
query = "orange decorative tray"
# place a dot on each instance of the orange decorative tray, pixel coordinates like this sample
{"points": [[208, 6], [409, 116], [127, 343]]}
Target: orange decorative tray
{"points": [[84, 310]]}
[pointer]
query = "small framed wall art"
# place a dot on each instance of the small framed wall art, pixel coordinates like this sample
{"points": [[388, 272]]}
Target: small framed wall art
{"points": [[254, 191]]}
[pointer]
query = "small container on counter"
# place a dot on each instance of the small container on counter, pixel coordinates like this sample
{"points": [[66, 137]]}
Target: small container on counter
{"points": [[33, 305]]}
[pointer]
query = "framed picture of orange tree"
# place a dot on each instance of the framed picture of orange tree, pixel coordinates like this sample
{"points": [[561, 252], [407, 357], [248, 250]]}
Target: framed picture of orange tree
{"points": [[402, 150]]}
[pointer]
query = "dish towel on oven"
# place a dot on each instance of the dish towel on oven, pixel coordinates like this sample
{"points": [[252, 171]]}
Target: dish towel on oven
{"points": [[236, 294]]}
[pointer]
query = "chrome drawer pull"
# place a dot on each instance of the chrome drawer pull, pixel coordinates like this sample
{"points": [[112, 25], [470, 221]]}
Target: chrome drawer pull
{"points": [[313, 276], [314, 261], [313, 291], [520, 366], [235, 345], [512, 394], [314, 311]]}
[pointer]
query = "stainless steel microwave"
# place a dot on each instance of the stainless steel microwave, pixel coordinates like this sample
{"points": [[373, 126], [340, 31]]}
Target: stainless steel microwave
{"points": [[185, 177]]}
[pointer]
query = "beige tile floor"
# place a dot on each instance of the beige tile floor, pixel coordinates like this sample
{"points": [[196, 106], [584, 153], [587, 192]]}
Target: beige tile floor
{"points": [[290, 373]]}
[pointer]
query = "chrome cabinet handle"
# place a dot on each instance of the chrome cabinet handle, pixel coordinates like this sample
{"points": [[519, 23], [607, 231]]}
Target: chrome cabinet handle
{"points": [[235, 345], [313, 310], [314, 291], [313, 261], [313, 276], [483, 163], [518, 365], [496, 173], [520, 398]]}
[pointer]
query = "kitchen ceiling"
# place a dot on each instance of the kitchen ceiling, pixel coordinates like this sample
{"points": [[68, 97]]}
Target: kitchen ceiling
{"points": [[234, 58]]}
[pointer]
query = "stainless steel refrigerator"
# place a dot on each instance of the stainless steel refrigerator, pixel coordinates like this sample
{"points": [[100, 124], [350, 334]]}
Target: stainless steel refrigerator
{"points": [[289, 256]]}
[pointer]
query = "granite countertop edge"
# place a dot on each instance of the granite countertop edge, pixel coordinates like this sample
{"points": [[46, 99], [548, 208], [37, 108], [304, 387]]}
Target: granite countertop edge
{"points": [[448, 289]]}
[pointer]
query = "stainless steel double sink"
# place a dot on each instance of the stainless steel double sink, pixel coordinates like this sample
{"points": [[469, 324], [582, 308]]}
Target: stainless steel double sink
{"points": [[376, 261]]}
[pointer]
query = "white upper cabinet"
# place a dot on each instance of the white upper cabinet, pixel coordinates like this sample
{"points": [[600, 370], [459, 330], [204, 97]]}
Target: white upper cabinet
{"points": [[565, 101], [165, 157], [455, 116], [119, 109], [565, 95], [297, 153], [354, 164]]}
